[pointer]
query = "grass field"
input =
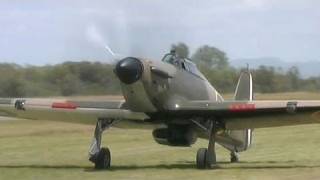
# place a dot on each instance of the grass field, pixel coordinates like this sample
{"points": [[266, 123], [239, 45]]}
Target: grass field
{"points": [[58, 150]]}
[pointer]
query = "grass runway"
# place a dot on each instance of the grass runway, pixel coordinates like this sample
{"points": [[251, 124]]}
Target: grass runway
{"points": [[57, 150], [31, 149]]}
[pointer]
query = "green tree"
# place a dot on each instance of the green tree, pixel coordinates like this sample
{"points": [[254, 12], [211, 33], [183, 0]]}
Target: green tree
{"points": [[264, 79], [65, 77], [13, 87], [294, 78], [12, 84], [69, 85], [210, 56], [223, 79]]}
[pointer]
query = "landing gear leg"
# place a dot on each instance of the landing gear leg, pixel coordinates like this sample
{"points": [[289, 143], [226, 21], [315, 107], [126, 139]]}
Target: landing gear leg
{"points": [[101, 157], [206, 157], [234, 157]]}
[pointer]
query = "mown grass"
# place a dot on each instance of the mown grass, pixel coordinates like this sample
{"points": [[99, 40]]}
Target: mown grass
{"points": [[58, 150]]}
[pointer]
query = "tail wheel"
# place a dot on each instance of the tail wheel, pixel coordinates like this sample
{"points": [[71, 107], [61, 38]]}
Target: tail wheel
{"points": [[201, 158], [103, 159], [234, 157]]}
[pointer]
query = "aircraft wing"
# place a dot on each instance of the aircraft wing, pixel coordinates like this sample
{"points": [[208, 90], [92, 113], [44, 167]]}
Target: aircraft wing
{"points": [[71, 111], [253, 114]]}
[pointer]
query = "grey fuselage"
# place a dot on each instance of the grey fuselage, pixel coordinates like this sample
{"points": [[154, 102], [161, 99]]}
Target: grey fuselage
{"points": [[163, 86]]}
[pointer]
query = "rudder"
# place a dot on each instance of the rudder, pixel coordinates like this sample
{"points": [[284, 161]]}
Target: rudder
{"points": [[244, 91]]}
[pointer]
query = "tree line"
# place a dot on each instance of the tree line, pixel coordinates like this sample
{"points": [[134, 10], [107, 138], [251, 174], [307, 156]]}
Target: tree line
{"points": [[68, 78], [214, 64], [96, 78]]}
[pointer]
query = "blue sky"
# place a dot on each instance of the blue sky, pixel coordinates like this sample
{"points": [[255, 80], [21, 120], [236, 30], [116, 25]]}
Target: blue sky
{"points": [[49, 31]]}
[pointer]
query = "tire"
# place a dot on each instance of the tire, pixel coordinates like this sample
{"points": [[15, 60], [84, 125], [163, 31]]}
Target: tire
{"points": [[234, 158], [103, 160], [201, 158]]}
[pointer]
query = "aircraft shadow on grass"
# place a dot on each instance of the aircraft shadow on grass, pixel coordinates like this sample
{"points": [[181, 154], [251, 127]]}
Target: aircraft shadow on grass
{"points": [[182, 165], [222, 166]]}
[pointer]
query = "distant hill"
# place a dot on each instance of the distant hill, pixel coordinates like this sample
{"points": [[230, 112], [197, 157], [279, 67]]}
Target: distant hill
{"points": [[307, 69]]}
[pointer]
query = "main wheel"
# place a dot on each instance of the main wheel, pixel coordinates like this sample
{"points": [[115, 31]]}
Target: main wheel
{"points": [[201, 158], [103, 159]]}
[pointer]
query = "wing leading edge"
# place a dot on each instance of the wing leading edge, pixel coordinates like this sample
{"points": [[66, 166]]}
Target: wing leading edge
{"points": [[71, 111], [254, 114]]}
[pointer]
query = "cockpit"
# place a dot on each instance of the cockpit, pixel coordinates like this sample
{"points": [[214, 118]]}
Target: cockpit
{"points": [[171, 59], [182, 63]]}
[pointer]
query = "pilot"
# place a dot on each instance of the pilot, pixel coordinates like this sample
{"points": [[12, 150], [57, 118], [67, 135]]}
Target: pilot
{"points": [[174, 59], [173, 56]]}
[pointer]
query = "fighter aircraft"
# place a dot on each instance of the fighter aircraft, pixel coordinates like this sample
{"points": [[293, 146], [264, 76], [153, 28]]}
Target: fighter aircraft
{"points": [[177, 99]]}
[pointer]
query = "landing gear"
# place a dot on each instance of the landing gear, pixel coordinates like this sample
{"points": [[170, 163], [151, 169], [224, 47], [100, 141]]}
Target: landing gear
{"points": [[234, 157], [206, 157], [101, 157]]}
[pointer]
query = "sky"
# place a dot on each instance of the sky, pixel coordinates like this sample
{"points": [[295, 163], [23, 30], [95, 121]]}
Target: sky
{"points": [[38, 32]]}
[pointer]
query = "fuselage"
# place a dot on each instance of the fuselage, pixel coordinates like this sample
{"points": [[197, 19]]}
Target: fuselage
{"points": [[156, 86]]}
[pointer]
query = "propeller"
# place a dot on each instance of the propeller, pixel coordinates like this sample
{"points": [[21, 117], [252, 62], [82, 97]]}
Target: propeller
{"points": [[129, 69], [94, 36], [115, 56]]}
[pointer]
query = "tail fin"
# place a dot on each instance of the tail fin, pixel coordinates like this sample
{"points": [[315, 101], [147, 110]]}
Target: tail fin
{"points": [[244, 91]]}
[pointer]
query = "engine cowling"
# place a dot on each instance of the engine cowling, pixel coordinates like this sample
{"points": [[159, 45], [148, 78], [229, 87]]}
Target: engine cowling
{"points": [[175, 135]]}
